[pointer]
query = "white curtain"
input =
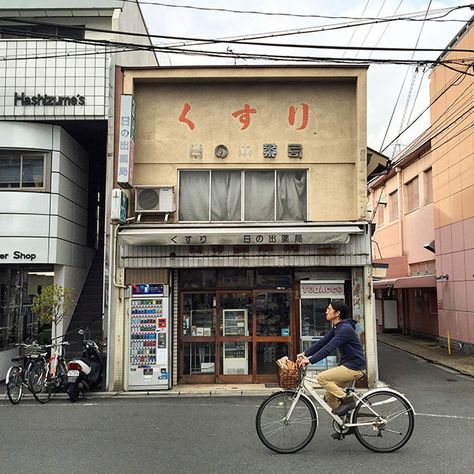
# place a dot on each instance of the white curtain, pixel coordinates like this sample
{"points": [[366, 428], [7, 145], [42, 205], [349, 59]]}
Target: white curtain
{"points": [[225, 196], [291, 195], [259, 195], [194, 196]]}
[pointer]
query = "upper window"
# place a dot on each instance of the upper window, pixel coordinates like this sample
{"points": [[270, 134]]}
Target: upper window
{"points": [[413, 194], [242, 195], [40, 31], [428, 178], [393, 205], [22, 170]]}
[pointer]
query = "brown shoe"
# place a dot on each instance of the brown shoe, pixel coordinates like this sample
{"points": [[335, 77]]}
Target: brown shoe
{"points": [[347, 404]]}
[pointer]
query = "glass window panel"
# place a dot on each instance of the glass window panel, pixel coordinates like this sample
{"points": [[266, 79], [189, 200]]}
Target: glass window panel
{"points": [[199, 358], [10, 171], [235, 278], [259, 196], [291, 195], [273, 314], [199, 314], [268, 353], [313, 317], [273, 278], [194, 196], [32, 172], [242, 301], [236, 358], [197, 278], [225, 196]]}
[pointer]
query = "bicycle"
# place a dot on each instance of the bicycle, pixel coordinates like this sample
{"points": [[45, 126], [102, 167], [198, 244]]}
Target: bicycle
{"points": [[382, 420], [50, 375], [19, 376]]}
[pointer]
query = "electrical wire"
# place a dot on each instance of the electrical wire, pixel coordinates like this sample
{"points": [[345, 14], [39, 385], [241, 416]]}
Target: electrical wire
{"points": [[266, 13]]}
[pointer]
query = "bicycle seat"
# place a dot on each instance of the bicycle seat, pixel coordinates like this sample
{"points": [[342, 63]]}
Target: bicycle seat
{"points": [[17, 359]]}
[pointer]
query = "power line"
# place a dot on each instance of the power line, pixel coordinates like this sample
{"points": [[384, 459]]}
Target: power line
{"points": [[266, 13], [239, 42]]}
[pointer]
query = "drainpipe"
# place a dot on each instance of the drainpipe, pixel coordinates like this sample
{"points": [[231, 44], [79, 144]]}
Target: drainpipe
{"points": [[401, 206]]}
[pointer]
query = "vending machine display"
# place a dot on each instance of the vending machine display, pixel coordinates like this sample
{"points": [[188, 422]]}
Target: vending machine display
{"points": [[149, 338]]}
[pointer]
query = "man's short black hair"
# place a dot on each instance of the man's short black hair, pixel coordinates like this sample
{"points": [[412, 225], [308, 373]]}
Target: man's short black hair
{"points": [[341, 307]]}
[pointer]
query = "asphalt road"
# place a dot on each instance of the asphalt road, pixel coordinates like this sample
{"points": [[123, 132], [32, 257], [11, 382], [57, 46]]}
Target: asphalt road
{"points": [[217, 435]]}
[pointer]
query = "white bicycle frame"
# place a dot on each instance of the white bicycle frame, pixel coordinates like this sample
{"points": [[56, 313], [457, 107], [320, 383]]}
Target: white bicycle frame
{"points": [[307, 384]]}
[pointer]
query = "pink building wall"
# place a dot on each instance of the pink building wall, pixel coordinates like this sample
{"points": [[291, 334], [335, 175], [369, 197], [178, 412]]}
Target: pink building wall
{"points": [[453, 194]]}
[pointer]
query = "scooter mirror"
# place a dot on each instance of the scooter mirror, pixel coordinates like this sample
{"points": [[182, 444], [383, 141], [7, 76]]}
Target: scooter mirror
{"points": [[81, 331]]}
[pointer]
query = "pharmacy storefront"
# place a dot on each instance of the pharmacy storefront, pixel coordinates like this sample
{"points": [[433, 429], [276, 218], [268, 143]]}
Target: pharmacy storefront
{"points": [[235, 307]]}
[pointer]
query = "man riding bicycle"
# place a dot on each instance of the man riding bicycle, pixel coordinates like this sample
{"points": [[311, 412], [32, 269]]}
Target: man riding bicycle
{"points": [[342, 336]]}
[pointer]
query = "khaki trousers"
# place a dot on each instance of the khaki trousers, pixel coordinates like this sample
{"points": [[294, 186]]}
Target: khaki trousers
{"points": [[333, 379]]}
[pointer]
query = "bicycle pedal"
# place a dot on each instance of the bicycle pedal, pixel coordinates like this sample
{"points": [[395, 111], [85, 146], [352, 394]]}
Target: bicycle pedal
{"points": [[337, 436]]}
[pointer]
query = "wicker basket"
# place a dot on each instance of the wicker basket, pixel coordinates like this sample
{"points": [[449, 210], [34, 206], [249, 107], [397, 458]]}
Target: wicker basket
{"points": [[288, 378]]}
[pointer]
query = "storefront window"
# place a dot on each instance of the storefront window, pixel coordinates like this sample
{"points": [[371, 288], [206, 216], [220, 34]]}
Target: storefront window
{"points": [[199, 314], [236, 306], [197, 279], [268, 353], [273, 314], [199, 358]]}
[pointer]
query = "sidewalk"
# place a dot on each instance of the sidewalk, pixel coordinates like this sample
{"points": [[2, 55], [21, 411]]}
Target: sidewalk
{"points": [[431, 351], [423, 348]]}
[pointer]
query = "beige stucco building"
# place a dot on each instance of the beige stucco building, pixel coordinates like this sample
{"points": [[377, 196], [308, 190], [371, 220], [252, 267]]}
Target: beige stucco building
{"points": [[247, 198]]}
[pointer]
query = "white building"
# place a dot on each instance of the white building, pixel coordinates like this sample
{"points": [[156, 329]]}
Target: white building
{"points": [[56, 145]]}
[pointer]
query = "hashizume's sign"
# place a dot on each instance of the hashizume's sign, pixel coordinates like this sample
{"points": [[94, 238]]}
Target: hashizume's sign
{"points": [[46, 99]]}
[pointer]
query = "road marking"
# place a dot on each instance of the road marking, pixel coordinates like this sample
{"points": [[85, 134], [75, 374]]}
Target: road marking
{"points": [[437, 415]]}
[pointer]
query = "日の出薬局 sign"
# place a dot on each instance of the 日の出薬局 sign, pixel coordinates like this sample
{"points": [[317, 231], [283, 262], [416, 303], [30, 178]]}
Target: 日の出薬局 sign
{"points": [[126, 142], [322, 290]]}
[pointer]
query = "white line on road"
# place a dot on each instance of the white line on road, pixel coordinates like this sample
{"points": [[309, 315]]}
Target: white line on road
{"points": [[437, 415]]}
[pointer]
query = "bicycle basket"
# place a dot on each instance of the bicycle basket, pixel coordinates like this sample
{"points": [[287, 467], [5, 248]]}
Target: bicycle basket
{"points": [[288, 376], [31, 351]]}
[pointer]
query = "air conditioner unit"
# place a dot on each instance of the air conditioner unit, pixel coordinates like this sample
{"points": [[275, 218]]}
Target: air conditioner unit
{"points": [[154, 199]]}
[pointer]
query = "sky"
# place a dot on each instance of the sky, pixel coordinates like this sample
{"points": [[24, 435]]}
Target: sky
{"points": [[396, 94]]}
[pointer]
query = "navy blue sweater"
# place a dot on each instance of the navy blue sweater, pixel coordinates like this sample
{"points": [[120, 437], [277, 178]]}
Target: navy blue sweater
{"points": [[343, 337]]}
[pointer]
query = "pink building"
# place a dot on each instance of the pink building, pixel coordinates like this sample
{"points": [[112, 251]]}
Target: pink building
{"points": [[453, 188], [401, 205]]}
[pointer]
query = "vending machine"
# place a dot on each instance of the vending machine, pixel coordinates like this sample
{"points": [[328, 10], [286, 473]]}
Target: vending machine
{"points": [[315, 298], [149, 338]]}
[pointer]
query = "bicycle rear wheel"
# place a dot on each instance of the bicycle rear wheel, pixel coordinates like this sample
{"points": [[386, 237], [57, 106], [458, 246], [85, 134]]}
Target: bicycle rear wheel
{"points": [[390, 427], [14, 385], [282, 435]]}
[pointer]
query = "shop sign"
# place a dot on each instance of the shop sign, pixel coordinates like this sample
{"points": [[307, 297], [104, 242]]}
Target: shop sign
{"points": [[17, 255], [126, 142], [48, 100], [322, 290]]}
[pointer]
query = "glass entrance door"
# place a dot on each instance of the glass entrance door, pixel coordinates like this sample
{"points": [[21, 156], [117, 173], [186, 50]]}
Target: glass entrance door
{"points": [[273, 330]]}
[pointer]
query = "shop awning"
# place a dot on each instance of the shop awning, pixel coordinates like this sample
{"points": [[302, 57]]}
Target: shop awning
{"points": [[421, 281], [381, 284], [271, 235]]}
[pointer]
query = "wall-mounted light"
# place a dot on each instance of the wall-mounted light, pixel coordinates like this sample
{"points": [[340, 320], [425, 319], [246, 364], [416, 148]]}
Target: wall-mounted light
{"points": [[430, 246], [443, 277]]}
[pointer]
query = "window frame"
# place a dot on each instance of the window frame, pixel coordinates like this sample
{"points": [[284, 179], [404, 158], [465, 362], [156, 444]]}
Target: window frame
{"points": [[242, 193], [428, 186], [393, 216], [28, 153], [410, 204]]}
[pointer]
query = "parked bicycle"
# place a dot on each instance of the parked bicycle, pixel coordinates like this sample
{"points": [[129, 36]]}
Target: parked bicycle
{"points": [[51, 374], [19, 375], [382, 420]]}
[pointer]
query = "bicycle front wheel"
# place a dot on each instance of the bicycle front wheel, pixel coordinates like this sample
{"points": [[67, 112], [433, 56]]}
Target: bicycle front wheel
{"points": [[43, 393], [15, 385], [388, 421], [283, 434]]}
